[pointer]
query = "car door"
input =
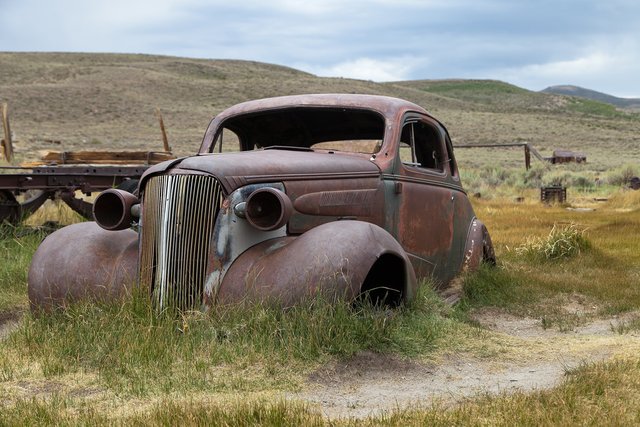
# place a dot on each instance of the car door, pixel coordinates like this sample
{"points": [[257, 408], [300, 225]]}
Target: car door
{"points": [[424, 197]]}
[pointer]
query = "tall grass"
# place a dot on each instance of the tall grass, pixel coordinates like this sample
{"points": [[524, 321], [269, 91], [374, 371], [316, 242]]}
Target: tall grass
{"points": [[563, 241], [17, 245], [136, 352]]}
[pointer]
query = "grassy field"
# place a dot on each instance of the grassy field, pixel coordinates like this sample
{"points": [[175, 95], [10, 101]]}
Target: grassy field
{"points": [[253, 364]]}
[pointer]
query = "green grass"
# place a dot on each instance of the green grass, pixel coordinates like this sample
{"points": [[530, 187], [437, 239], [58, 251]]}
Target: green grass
{"points": [[563, 241], [16, 246], [136, 352], [495, 94], [595, 108]]}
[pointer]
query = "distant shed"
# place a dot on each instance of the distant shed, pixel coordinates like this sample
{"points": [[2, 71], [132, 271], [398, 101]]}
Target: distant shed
{"points": [[566, 156]]}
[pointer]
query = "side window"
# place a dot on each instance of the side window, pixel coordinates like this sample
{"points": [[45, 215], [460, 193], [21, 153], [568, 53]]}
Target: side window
{"points": [[420, 146]]}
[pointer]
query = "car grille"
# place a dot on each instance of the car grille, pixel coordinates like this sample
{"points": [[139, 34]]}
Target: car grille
{"points": [[178, 215]]}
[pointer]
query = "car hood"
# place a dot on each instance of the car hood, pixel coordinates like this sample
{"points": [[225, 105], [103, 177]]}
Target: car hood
{"points": [[236, 169]]}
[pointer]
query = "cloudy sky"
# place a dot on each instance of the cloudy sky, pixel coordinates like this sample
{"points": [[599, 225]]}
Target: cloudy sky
{"points": [[533, 44]]}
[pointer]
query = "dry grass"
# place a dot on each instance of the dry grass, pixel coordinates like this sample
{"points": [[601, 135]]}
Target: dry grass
{"points": [[92, 101]]}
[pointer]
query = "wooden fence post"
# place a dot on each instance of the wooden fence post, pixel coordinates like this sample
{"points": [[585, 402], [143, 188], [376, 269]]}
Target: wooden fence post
{"points": [[7, 144], [165, 140]]}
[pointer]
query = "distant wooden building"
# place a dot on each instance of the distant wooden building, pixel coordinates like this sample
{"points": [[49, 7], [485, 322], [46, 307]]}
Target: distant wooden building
{"points": [[566, 156]]}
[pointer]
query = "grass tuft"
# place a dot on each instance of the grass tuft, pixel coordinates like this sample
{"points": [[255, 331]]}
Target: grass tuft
{"points": [[562, 242]]}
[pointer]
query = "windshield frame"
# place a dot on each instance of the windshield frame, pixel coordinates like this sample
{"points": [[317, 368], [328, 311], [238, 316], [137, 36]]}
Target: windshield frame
{"points": [[302, 126]]}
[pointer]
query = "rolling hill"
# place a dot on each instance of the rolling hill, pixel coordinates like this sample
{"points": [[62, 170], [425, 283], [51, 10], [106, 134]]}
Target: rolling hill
{"points": [[580, 92], [107, 101]]}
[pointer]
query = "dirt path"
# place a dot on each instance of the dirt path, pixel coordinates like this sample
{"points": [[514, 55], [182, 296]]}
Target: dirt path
{"points": [[536, 358]]}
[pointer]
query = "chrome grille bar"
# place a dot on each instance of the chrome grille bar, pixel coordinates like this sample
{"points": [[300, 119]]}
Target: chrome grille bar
{"points": [[178, 216]]}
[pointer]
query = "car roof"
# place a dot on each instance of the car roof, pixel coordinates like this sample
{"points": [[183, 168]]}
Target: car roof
{"points": [[387, 106]]}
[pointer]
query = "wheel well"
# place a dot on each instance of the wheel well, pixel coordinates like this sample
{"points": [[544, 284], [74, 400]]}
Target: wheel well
{"points": [[385, 282]]}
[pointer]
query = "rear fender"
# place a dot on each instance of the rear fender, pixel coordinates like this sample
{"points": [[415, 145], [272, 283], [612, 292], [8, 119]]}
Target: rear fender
{"points": [[478, 247], [82, 262], [339, 259]]}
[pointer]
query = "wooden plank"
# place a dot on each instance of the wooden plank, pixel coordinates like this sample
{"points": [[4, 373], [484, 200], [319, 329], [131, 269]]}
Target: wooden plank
{"points": [[7, 144], [102, 157], [165, 140]]}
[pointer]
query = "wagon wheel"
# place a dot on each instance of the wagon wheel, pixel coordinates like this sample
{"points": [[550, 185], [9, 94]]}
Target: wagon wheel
{"points": [[9, 207]]}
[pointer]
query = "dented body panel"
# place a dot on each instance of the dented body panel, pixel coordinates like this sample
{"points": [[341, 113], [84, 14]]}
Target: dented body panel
{"points": [[339, 195]]}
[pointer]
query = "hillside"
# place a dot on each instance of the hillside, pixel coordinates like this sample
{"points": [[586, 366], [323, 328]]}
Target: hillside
{"points": [[106, 101], [581, 92]]}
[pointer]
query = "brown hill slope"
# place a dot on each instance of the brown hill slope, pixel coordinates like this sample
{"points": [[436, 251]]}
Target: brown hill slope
{"points": [[106, 101]]}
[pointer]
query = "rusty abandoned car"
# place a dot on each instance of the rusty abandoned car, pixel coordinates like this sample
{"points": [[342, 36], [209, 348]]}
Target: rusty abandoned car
{"points": [[288, 197]]}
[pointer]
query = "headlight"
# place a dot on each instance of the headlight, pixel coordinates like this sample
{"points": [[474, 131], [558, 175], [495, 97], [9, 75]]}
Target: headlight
{"points": [[112, 209], [268, 209]]}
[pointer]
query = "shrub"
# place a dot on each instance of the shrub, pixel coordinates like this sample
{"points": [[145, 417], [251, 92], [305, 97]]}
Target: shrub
{"points": [[568, 178], [562, 242], [622, 175]]}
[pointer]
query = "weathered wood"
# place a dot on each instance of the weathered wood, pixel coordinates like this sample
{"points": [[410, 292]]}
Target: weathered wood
{"points": [[7, 144], [101, 158], [165, 140]]}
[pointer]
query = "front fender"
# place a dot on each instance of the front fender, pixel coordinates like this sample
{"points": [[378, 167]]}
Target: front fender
{"points": [[337, 259], [82, 262]]}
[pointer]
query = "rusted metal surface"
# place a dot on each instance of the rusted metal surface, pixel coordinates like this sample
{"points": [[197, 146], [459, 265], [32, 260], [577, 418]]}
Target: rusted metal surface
{"points": [[50, 182], [82, 262], [285, 219], [321, 261], [9, 207], [112, 209]]}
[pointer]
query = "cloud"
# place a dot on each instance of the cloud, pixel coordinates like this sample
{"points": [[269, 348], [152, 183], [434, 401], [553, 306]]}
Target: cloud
{"points": [[594, 63], [369, 69], [532, 44], [609, 68]]}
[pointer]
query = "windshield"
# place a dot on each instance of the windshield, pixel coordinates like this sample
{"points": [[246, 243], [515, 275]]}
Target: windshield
{"points": [[333, 129]]}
